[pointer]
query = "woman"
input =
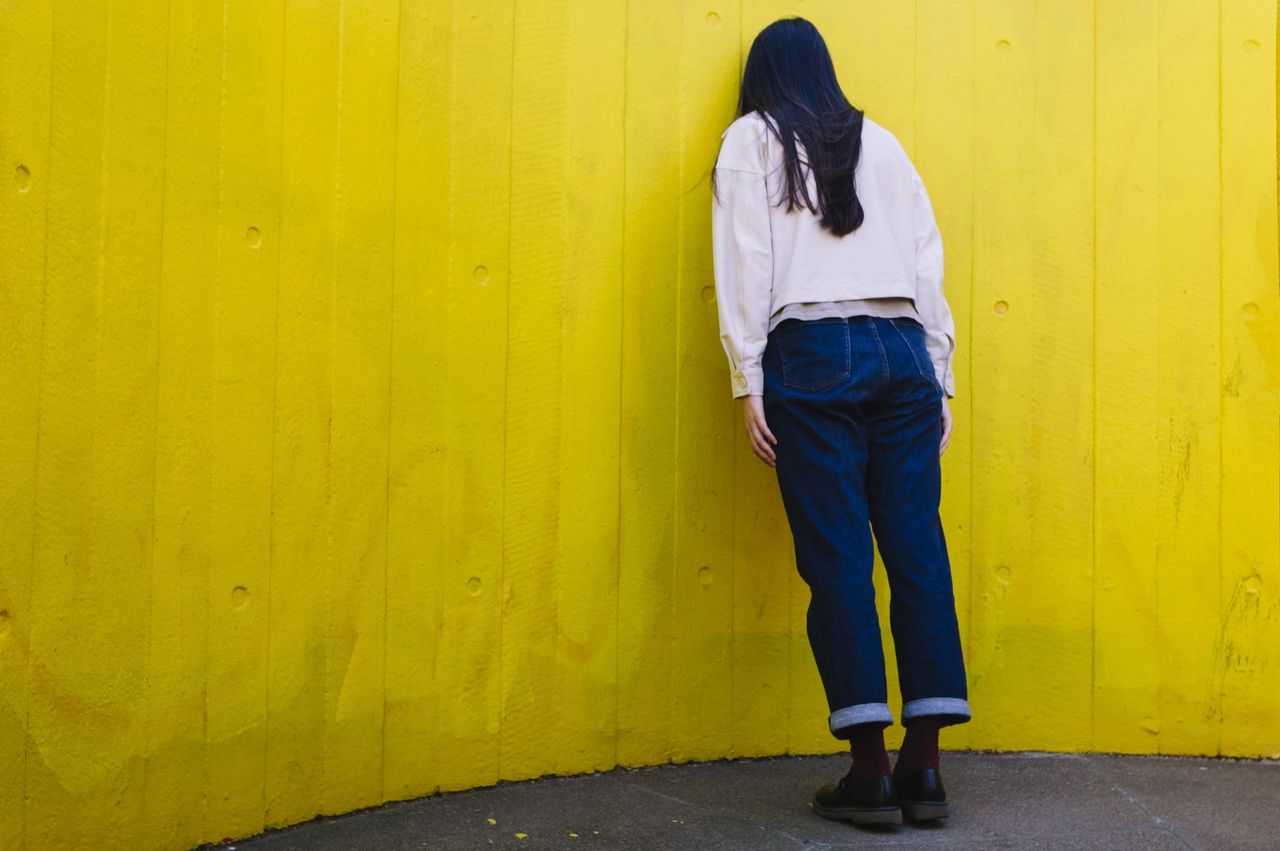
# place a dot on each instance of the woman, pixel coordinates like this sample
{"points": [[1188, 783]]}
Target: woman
{"points": [[828, 272]]}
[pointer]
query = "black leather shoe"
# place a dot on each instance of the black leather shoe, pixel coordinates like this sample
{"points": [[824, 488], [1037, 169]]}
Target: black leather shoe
{"points": [[861, 800], [921, 794]]}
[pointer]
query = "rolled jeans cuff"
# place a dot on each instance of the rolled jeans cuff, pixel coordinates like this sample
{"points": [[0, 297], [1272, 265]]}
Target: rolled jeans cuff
{"points": [[862, 713], [953, 710]]}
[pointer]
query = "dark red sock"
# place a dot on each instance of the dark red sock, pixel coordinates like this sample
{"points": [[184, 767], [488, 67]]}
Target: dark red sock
{"points": [[920, 745], [870, 759]]}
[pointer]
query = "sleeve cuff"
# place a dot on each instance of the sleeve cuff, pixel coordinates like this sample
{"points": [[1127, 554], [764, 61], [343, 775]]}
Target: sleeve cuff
{"points": [[747, 383], [946, 381]]}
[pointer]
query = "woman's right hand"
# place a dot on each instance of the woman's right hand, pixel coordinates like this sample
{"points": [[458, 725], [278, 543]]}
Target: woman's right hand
{"points": [[758, 430], [947, 422]]}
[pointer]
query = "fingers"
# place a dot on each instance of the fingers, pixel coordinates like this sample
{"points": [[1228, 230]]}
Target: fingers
{"points": [[764, 427], [759, 444], [758, 430], [946, 429]]}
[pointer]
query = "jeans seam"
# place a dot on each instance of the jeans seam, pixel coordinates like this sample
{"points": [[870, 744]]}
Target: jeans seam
{"points": [[848, 356], [884, 357], [926, 374]]}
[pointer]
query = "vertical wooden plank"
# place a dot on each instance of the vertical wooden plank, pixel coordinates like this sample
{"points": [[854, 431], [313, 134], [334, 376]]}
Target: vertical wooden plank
{"points": [[587, 552], [763, 557], [702, 582], [944, 53], [242, 394], [1004, 483], [299, 646], [1033, 305], [762, 638], [94, 497], [648, 474], [1247, 656], [1189, 431], [1126, 714], [26, 54], [470, 638], [115, 601], [416, 534], [176, 748], [1056, 617], [131, 241], [534, 377], [63, 497], [359, 349]]}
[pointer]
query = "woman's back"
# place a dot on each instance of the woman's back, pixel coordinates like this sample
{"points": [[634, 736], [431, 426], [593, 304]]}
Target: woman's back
{"points": [[767, 257], [809, 262]]}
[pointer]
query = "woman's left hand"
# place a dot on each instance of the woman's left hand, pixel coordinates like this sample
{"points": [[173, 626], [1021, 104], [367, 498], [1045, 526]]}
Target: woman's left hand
{"points": [[946, 425]]}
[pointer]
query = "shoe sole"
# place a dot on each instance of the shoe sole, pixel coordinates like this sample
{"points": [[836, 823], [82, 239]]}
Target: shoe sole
{"points": [[924, 810], [879, 815]]}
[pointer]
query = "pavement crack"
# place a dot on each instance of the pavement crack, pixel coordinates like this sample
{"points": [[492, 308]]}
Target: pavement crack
{"points": [[723, 813], [1155, 819], [664, 796], [1159, 822]]}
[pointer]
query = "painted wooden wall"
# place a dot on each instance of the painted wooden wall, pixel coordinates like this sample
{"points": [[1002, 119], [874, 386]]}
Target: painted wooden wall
{"points": [[365, 431]]}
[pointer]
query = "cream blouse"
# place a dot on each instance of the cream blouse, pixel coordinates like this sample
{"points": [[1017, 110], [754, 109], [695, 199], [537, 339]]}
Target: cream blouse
{"points": [[766, 259]]}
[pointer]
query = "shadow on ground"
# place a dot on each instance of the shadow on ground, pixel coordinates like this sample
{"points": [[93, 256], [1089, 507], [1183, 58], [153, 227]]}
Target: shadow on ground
{"points": [[1034, 801]]}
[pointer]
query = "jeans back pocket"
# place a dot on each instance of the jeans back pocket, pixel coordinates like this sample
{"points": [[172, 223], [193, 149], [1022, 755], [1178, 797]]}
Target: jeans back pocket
{"points": [[814, 353], [913, 335]]}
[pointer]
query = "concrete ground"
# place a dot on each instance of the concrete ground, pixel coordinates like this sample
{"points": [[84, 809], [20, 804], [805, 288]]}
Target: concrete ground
{"points": [[998, 801]]}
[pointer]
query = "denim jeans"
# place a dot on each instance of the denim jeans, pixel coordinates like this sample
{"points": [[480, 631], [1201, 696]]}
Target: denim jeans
{"points": [[856, 410]]}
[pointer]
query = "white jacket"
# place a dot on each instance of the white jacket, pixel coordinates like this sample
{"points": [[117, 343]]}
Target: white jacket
{"points": [[765, 257]]}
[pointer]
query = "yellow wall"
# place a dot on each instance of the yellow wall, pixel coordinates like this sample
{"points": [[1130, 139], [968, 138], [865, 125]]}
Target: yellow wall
{"points": [[365, 431]]}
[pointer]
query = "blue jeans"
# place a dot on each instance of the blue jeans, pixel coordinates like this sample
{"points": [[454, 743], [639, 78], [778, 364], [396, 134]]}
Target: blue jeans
{"points": [[856, 410]]}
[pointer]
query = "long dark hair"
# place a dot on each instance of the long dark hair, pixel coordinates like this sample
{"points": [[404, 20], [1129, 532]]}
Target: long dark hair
{"points": [[790, 79]]}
